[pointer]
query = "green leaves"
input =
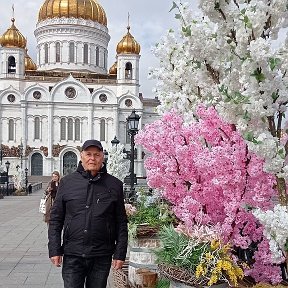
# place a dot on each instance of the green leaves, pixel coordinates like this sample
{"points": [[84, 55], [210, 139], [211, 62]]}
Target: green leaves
{"points": [[187, 31], [275, 95], [260, 77], [281, 153], [173, 6], [250, 137], [274, 62], [174, 244], [235, 96]]}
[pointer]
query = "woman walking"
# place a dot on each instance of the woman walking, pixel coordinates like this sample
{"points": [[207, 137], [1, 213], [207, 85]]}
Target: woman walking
{"points": [[51, 192]]}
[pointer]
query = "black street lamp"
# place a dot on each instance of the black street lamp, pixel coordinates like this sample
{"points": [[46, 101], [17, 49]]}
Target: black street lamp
{"points": [[26, 180], [105, 156], [115, 142], [21, 154], [133, 122], [7, 164]]}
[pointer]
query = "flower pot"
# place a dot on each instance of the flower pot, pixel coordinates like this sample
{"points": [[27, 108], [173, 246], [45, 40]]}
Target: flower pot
{"points": [[174, 284], [141, 256]]}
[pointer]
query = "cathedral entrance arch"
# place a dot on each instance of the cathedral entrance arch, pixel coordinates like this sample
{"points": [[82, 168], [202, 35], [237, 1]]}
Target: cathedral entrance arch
{"points": [[69, 162], [37, 164]]}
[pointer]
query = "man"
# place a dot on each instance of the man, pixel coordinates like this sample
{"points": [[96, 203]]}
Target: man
{"points": [[89, 208]]}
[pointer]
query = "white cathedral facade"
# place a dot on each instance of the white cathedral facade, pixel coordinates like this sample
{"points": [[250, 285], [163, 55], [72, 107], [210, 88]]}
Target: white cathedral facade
{"points": [[69, 95]]}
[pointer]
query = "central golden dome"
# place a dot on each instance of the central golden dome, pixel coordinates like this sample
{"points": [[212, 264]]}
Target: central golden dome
{"points": [[85, 9]]}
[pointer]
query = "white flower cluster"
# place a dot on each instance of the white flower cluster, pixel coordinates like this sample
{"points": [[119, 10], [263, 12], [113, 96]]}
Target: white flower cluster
{"points": [[275, 229], [116, 164], [225, 57]]}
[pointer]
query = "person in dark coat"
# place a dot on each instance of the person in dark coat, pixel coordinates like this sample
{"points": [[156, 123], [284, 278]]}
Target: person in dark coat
{"points": [[51, 192], [89, 210]]}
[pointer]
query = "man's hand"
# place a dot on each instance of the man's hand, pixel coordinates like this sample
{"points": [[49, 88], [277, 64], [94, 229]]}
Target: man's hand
{"points": [[117, 264], [56, 260]]}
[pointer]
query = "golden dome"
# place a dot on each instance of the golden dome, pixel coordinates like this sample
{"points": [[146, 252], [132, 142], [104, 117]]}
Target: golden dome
{"points": [[113, 69], [85, 9], [29, 63], [13, 37], [128, 45]]}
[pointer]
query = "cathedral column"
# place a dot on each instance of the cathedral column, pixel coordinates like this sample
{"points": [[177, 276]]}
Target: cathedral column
{"points": [[116, 123], [50, 129], [90, 134], [50, 132], [52, 53], [24, 130], [41, 55], [65, 52], [106, 130]]}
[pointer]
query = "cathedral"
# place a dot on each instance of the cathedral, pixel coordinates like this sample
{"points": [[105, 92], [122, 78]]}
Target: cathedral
{"points": [[50, 106]]}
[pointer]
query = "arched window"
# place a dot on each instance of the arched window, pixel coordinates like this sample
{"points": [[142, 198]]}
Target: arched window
{"points": [[77, 129], [85, 54], [46, 52], [57, 51], [11, 130], [102, 130], [70, 129], [11, 64], [128, 70], [71, 52], [97, 56], [37, 128], [63, 129]]}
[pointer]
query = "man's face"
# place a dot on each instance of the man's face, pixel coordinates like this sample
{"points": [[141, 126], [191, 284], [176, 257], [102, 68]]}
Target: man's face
{"points": [[92, 159]]}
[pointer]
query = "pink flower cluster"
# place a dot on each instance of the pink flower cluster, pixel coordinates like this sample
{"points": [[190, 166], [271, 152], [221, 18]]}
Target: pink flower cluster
{"points": [[207, 173]]}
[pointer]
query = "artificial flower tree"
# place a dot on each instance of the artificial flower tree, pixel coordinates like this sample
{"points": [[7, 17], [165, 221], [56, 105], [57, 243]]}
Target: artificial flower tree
{"points": [[207, 173], [226, 55]]}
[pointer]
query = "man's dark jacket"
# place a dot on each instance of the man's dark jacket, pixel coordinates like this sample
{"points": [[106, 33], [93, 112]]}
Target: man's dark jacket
{"points": [[91, 212]]}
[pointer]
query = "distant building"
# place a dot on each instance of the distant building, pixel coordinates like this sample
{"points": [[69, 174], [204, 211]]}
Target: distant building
{"points": [[70, 95]]}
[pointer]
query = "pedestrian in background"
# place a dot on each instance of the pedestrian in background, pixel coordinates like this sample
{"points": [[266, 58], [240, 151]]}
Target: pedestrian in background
{"points": [[50, 192], [89, 208]]}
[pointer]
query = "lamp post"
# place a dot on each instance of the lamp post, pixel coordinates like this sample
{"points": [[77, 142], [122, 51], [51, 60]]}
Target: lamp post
{"points": [[133, 121], [21, 154], [26, 179], [7, 164], [115, 142]]}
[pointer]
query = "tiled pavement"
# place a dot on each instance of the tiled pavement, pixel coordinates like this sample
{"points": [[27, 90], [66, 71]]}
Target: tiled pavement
{"points": [[23, 245]]}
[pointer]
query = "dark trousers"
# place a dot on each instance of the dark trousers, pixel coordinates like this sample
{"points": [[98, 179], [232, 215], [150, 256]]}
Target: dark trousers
{"points": [[92, 271]]}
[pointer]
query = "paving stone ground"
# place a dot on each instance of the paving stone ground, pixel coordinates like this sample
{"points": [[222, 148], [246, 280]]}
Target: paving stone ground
{"points": [[23, 245]]}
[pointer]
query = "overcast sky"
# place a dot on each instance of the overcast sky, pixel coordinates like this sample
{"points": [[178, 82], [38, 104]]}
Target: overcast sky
{"points": [[149, 20]]}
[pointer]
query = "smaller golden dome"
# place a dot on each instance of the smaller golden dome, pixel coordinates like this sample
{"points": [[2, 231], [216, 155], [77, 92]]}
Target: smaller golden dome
{"points": [[113, 69], [13, 37], [128, 45], [29, 63]]}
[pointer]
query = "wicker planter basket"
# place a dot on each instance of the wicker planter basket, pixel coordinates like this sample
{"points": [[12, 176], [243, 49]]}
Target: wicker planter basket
{"points": [[181, 275], [120, 277], [144, 230]]}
